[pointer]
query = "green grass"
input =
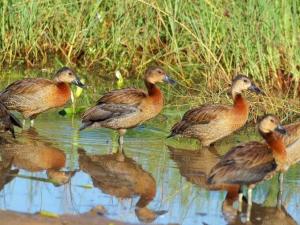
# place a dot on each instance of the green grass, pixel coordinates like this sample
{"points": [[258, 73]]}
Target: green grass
{"points": [[202, 43]]}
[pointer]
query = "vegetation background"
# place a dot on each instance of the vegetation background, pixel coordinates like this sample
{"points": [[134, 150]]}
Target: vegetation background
{"points": [[202, 43]]}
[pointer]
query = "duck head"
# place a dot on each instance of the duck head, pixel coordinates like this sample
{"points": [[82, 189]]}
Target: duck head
{"points": [[241, 83], [157, 74], [271, 123], [67, 75]]}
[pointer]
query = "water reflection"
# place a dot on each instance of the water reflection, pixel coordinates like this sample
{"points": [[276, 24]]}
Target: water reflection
{"points": [[196, 165], [120, 176], [34, 153]]}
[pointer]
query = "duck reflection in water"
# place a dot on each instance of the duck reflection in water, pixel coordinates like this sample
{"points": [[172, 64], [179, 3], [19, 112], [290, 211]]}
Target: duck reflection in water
{"points": [[34, 153], [120, 176], [195, 165], [260, 215]]}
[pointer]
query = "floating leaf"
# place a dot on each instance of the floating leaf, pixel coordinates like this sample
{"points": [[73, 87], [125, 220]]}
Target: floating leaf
{"points": [[86, 186], [49, 214], [79, 90]]}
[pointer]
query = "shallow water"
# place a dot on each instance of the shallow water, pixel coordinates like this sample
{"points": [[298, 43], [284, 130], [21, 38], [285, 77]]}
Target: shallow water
{"points": [[95, 175]]}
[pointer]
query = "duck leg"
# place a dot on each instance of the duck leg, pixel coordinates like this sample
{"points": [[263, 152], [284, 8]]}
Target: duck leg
{"points": [[32, 118], [240, 209], [279, 196], [250, 188]]}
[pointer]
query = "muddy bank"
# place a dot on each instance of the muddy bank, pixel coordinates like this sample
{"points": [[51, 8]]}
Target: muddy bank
{"points": [[14, 218]]}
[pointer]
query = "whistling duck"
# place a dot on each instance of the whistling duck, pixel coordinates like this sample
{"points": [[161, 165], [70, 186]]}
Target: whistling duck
{"points": [[8, 120], [292, 144], [195, 166], [252, 162], [33, 96], [210, 123], [35, 153], [127, 108], [120, 176]]}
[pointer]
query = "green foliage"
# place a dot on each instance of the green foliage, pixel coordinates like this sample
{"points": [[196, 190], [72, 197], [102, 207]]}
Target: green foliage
{"points": [[202, 43]]}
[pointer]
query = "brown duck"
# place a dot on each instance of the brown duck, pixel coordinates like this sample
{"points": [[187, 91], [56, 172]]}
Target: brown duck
{"points": [[8, 120], [292, 144], [120, 176], [252, 162], [210, 123], [33, 96], [127, 108]]}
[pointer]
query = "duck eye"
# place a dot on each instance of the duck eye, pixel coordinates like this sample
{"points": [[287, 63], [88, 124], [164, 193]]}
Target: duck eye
{"points": [[272, 121], [245, 81], [69, 73]]}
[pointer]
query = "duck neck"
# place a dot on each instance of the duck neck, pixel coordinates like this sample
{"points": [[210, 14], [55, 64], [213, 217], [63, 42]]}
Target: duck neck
{"points": [[64, 87], [144, 200], [278, 148], [154, 92], [148, 193], [152, 89], [240, 104], [232, 193]]}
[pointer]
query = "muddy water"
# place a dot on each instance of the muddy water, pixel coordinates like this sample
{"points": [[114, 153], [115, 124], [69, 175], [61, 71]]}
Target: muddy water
{"points": [[54, 169]]}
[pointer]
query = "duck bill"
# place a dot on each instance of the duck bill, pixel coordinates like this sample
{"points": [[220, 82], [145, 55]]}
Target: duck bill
{"points": [[78, 83], [280, 129], [169, 80], [256, 89]]}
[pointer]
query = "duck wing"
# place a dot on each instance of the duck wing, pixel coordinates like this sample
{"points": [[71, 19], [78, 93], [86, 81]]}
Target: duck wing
{"points": [[204, 114], [244, 164], [117, 103], [26, 86], [200, 115], [105, 111], [26, 94], [127, 96], [293, 134]]}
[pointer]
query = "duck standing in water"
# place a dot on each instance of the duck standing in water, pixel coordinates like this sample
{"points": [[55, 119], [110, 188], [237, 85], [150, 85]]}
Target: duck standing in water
{"points": [[292, 144], [210, 123], [33, 96], [127, 108], [253, 162], [8, 120]]}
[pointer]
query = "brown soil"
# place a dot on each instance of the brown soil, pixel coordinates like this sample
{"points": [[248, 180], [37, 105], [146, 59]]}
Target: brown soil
{"points": [[14, 218]]}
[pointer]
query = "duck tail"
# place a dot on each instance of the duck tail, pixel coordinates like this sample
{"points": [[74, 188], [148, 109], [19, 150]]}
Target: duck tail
{"points": [[178, 128], [171, 135], [12, 131], [85, 125], [15, 121]]}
